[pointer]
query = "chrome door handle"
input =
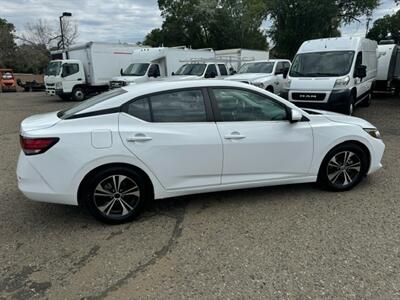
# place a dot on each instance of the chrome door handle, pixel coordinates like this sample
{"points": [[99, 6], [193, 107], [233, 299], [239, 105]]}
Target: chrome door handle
{"points": [[139, 138], [234, 136]]}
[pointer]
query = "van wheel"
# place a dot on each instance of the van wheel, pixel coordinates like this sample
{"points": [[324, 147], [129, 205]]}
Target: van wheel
{"points": [[270, 89], [349, 108], [116, 195], [78, 94], [343, 167]]}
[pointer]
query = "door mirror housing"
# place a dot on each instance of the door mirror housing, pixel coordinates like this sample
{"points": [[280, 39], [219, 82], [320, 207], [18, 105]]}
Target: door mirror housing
{"points": [[121, 72], [361, 72], [153, 71], [295, 115]]}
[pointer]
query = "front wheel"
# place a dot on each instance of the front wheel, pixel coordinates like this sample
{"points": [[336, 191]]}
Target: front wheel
{"points": [[343, 167], [78, 94], [349, 106], [115, 195]]}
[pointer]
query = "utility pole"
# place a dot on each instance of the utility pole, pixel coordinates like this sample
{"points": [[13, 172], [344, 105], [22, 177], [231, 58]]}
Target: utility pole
{"points": [[64, 14]]}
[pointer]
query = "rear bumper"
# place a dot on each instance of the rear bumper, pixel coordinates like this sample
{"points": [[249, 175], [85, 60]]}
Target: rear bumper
{"points": [[34, 186], [336, 100]]}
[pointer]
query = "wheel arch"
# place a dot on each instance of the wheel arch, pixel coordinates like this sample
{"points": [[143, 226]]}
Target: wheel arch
{"points": [[109, 165]]}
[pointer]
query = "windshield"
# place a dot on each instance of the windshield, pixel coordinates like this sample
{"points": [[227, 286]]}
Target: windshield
{"points": [[260, 67], [191, 69], [136, 70], [53, 68], [322, 64], [7, 75], [65, 114]]}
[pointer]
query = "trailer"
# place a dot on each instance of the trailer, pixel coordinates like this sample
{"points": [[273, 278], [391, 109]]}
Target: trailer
{"points": [[388, 76], [84, 70], [156, 63], [236, 57]]}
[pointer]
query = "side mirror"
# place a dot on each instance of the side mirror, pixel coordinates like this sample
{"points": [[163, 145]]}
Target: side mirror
{"points": [[173, 73], [233, 72], [63, 73], [153, 72], [295, 115], [285, 73], [121, 72], [361, 72]]}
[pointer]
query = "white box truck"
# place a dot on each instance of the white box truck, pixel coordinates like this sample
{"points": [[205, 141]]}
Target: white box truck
{"points": [[388, 77], [333, 74], [155, 63], [236, 57], [87, 69]]}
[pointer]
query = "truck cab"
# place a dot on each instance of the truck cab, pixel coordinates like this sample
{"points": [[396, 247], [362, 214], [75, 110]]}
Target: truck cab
{"points": [[269, 75], [137, 72], [201, 70], [7, 81], [65, 78]]}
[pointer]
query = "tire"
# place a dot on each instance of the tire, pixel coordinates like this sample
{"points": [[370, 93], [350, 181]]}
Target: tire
{"points": [[270, 89], [111, 205], [78, 94], [349, 107], [336, 175]]}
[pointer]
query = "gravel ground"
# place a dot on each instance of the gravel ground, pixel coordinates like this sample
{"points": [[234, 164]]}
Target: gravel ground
{"points": [[288, 242]]}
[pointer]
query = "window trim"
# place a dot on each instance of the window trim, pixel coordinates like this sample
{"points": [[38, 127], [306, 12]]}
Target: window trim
{"points": [[217, 113], [206, 98]]}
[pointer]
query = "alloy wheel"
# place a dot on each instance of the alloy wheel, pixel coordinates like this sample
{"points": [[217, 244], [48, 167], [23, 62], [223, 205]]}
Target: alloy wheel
{"points": [[116, 196], [344, 168]]}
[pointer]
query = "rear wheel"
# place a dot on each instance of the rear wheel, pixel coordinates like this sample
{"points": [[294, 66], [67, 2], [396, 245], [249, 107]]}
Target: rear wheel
{"points": [[116, 195], [343, 167], [78, 94]]}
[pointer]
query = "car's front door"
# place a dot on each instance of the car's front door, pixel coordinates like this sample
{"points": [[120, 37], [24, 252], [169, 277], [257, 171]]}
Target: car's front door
{"points": [[170, 132], [259, 143]]}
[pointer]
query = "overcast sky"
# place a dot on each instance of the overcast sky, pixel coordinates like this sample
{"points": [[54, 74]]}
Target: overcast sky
{"points": [[123, 20]]}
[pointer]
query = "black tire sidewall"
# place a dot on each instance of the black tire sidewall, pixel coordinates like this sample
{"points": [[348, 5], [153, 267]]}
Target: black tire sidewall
{"points": [[323, 179], [92, 183], [75, 90], [351, 101]]}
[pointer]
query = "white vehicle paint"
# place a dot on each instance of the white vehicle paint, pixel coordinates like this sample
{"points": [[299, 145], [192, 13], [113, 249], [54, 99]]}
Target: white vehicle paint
{"points": [[236, 57], [269, 75], [154, 63], [334, 73], [85, 69], [199, 136], [202, 69], [388, 77]]}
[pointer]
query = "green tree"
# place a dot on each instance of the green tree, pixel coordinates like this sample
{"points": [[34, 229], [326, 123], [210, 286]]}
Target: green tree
{"points": [[388, 26], [7, 44], [295, 21], [210, 23]]}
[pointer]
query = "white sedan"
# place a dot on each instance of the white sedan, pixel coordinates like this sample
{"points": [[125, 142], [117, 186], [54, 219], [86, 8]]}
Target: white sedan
{"points": [[114, 152]]}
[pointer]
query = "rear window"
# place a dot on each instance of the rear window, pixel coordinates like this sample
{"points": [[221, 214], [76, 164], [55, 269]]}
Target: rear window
{"points": [[65, 114]]}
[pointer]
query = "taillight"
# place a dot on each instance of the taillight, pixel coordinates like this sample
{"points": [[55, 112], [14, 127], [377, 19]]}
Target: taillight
{"points": [[32, 146]]}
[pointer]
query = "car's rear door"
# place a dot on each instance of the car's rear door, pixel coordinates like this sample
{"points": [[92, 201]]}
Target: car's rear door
{"points": [[174, 135], [260, 144]]}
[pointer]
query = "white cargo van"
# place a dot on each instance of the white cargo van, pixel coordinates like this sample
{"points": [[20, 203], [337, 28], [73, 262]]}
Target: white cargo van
{"points": [[269, 75], [388, 77], [85, 69], [333, 74], [151, 63]]}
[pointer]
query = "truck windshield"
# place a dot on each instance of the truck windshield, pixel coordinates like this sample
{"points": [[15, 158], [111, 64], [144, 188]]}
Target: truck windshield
{"points": [[136, 70], [7, 75], [65, 114], [191, 69], [53, 69], [259, 67], [322, 64]]}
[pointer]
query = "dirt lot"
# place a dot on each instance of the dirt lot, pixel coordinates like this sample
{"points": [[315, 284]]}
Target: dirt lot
{"points": [[291, 242]]}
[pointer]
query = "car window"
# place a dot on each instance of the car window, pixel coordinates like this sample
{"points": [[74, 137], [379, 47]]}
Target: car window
{"points": [[211, 71], [222, 69], [140, 109], [279, 68], [180, 106], [70, 69], [241, 105]]}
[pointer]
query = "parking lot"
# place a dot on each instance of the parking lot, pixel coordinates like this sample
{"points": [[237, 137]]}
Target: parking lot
{"points": [[279, 242]]}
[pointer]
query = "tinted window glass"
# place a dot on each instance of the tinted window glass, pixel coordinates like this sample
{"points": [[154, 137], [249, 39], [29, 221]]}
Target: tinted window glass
{"points": [[240, 105], [359, 59], [211, 71], [258, 67], [64, 114], [222, 69], [181, 106], [70, 69], [140, 109], [279, 68]]}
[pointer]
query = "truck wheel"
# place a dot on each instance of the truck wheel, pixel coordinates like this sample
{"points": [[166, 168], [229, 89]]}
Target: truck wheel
{"points": [[349, 106], [78, 94]]}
